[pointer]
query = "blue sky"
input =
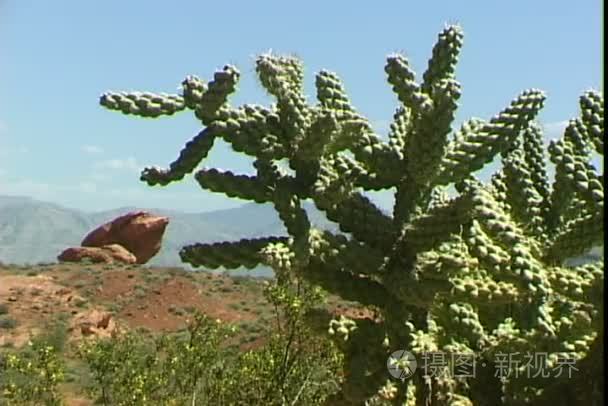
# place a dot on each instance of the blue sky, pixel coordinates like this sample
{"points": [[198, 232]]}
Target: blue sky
{"points": [[56, 58]]}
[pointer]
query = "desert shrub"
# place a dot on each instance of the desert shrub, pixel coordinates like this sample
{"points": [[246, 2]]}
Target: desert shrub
{"points": [[295, 366], [197, 367], [31, 376], [55, 334], [79, 284], [3, 308], [121, 369], [8, 323], [190, 309], [131, 369], [140, 292], [81, 303]]}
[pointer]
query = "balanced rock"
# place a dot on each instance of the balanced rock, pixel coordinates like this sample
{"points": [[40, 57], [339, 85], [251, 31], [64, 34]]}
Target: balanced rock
{"points": [[140, 233], [107, 254]]}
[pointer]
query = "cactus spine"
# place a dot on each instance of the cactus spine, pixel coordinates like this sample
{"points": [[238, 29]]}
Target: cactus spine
{"points": [[478, 273]]}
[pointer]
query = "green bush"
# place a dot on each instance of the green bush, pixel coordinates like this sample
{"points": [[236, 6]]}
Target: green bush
{"points": [[55, 334], [196, 366], [3, 308], [31, 376], [8, 323]]}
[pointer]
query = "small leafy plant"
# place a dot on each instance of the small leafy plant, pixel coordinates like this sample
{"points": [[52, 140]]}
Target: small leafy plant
{"points": [[31, 377]]}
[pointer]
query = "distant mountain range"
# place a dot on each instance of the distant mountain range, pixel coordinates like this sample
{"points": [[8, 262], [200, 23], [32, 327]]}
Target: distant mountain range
{"points": [[33, 231]]}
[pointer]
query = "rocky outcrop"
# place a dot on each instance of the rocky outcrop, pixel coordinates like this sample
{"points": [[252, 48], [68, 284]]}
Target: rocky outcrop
{"points": [[93, 323], [133, 238], [139, 232], [107, 254]]}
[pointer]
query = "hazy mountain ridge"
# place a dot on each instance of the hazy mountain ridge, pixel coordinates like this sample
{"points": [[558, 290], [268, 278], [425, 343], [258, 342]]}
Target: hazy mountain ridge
{"points": [[33, 231]]}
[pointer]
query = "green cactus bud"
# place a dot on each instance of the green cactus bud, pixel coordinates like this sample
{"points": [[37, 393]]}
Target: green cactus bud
{"points": [[592, 114], [331, 93], [445, 56]]}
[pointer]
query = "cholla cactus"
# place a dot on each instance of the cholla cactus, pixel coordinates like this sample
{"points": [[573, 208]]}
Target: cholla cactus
{"points": [[480, 273]]}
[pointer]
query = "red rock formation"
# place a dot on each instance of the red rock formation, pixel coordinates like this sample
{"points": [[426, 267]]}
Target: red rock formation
{"points": [[139, 232], [106, 254], [104, 322], [93, 323]]}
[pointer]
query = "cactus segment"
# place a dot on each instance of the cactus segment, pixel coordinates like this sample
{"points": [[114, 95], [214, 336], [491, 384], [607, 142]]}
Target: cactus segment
{"points": [[229, 255], [146, 104]]}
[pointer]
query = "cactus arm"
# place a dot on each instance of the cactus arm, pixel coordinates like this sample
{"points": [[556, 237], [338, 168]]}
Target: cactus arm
{"points": [[574, 177], [535, 159], [402, 79], [587, 184], [442, 64], [562, 192], [462, 320], [381, 161], [145, 104], [523, 198], [212, 104], [191, 155], [491, 255], [592, 114], [428, 141], [427, 230], [576, 135], [480, 147], [278, 73], [483, 289], [193, 89], [253, 130], [398, 131], [323, 129], [576, 238], [331, 94], [580, 283], [499, 224], [236, 186], [230, 255], [336, 177], [360, 217], [351, 287], [245, 137], [290, 211], [281, 77], [356, 132], [460, 146], [342, 253]]}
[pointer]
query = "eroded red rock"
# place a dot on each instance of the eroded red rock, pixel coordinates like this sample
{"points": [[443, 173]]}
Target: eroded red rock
{"points": [[140, 233], [93, 322], [107, 254]]}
